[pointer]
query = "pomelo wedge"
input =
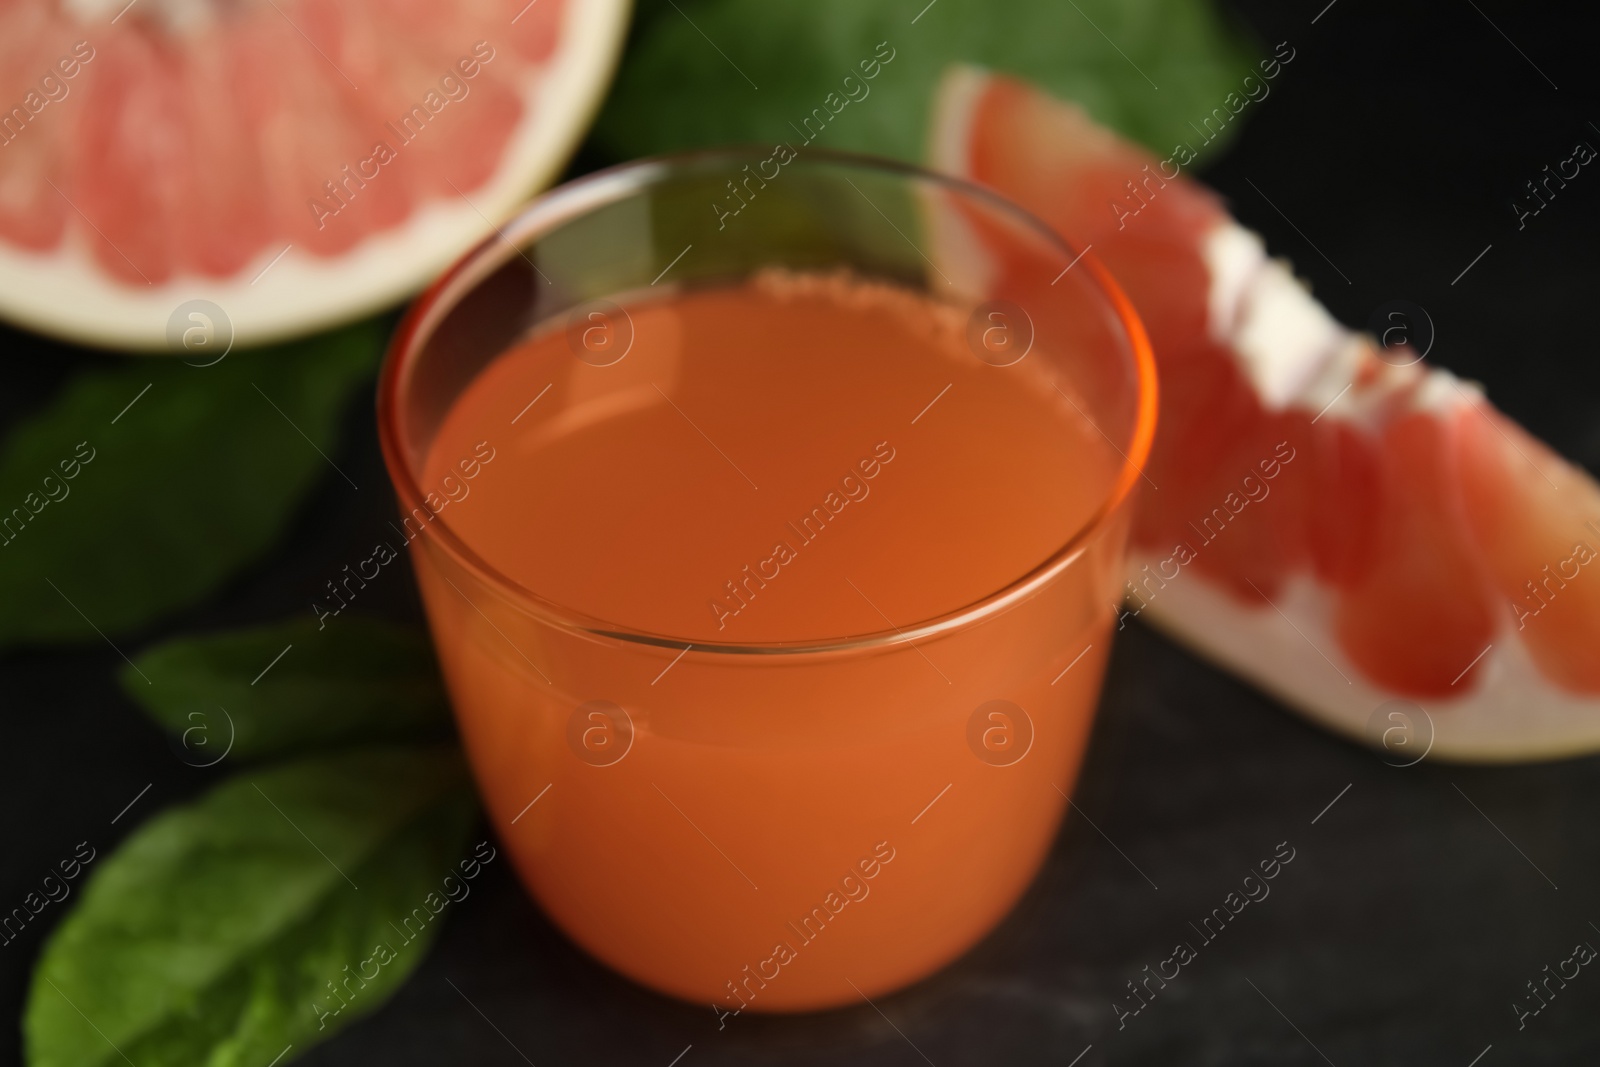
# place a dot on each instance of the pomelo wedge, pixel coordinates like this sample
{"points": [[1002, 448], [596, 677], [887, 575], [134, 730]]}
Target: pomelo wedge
{"points": [[1331, 518], [295, 162]]}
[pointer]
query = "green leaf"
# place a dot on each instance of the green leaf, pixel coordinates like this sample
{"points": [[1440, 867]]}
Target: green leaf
{"points": [[291, 687], [676, 91], [220, 931], [170, 496]]}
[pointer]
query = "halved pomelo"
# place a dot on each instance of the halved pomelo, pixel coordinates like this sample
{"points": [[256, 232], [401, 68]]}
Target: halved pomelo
{"points": [[295, 162], [1332, 519]]}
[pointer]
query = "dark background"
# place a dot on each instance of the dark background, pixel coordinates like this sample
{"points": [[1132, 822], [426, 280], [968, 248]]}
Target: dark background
{"points": [[1407, 923]]}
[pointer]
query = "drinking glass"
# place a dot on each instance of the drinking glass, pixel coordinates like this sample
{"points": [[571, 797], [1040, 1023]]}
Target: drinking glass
{"points": [[776, 826]]}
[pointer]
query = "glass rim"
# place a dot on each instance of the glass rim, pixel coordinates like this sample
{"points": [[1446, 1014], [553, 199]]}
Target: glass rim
{"points": [[563, 203]]}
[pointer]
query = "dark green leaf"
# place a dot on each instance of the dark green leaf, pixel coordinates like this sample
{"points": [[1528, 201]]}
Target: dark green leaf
{"points": [[218, 933], [676, 91], [351, 680], [182, 489]]}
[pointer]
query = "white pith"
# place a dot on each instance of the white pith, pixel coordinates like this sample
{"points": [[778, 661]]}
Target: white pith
{"points": [[1506, 712], [968, 267], [64, 292], [1279, 333], [1234, 255], [955, 100], [174, 16]]}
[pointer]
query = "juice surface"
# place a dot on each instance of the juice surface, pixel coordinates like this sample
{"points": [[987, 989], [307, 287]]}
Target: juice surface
{"points": [[760, 449], [795, 457]]}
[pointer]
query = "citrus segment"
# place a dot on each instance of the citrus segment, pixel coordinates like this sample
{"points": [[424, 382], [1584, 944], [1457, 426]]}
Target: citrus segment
{"points": [[1330, 518]]}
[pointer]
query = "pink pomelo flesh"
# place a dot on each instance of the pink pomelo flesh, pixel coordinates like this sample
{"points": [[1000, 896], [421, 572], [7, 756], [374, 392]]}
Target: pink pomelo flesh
{"points": [[190, 148], [165, 150]]}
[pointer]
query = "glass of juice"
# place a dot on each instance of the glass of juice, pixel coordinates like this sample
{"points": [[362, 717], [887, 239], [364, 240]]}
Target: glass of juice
{"points": [[769, 510]]}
